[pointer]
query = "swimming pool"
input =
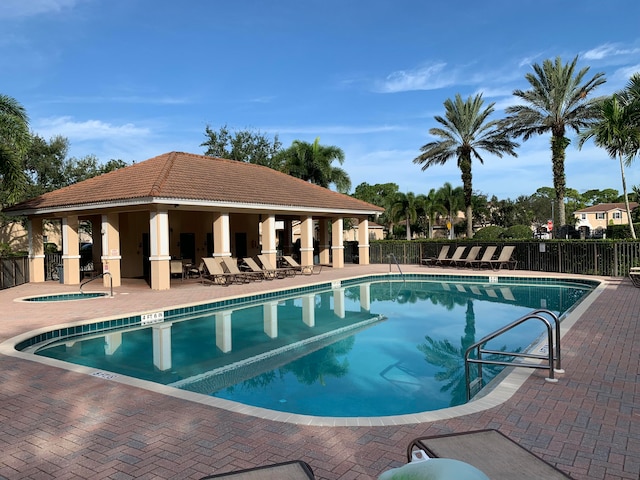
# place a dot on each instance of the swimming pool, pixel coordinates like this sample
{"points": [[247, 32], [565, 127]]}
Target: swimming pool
{"points": [[64, 297], [366, 348]]}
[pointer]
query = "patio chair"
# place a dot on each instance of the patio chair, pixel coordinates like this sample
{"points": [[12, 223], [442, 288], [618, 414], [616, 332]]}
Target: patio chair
{"points": [[495, 454], [503, 260], [487, 256], [634, 276], [294, 470], [285, 272], [441, 256], [303, 269], [230, 264], [472, 254], [175, 268], [457, 255], [258, 270], [215, 274]]}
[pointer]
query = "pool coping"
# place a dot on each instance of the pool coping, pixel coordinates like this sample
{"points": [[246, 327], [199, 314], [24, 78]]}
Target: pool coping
{"points": [[509, 382]]}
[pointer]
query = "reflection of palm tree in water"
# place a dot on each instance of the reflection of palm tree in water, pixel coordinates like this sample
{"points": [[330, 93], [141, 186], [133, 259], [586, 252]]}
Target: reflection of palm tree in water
{"points": [[315, 366], [442, 353]]}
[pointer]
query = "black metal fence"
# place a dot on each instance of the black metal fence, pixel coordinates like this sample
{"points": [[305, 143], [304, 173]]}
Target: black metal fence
{"points": [[589, 257], [14, 271]]}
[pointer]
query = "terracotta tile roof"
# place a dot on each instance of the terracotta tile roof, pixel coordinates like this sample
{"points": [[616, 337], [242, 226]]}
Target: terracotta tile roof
{"points": [[607, 207], [186, 176]]}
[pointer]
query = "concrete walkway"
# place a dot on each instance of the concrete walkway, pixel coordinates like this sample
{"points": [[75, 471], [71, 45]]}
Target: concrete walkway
{"points": [[56, 423]]}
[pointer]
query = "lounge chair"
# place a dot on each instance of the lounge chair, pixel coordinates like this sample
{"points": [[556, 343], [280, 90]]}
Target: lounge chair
{"points": [[260, 271], [303, 269], [286, 272], [215, 274], [487, 256], [495, 454], [230, 264], [503, 260], [295, 470], [441, 256], [457, 255], [634, 276], [472, 254]]}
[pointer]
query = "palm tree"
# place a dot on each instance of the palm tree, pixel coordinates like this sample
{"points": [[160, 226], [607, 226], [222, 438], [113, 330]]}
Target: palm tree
{"points": [[14, 140], [452, 199], [464, 132], [617, 132], [405, 207], [432, 207], [312, 162], [558, 99]]}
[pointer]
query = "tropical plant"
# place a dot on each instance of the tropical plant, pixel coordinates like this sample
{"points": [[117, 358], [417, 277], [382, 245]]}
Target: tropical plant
{"points": [[405, 207], [558, 99], [431, 207], [244, 146], [617, 132], [492, 232], [14, 141], [313, 162], [452, 199], [465, 131]]}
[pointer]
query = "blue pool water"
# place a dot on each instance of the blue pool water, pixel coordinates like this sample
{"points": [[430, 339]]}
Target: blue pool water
{"points": [[64, 297], [374, 348]]}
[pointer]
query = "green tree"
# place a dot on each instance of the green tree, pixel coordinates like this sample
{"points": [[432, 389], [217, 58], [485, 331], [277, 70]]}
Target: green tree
{"points": [[313, 162], [617, 132], [405, 207], [14, 141], [431, 206], [465, 131], [595, 197], [247, 146], [558, 99], [380, 194], [452, 199]]}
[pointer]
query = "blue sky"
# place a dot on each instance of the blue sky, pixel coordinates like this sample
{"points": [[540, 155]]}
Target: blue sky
{"points": [[131, 79]]}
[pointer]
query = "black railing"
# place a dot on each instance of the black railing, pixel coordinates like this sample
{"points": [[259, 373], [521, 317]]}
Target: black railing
{"points": [[14, 271], [588, 257]]}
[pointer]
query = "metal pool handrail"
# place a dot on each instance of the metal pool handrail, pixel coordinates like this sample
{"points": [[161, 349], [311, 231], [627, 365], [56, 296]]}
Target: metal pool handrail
{"points": [[97, 277], [553, 348], [391, 255]]}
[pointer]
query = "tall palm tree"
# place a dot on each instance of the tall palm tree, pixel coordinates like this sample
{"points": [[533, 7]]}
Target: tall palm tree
{"points": [[405, 207], [313, 162], [558, 99], [14, 140], [617, 132], [465, 131], [452, 199]]}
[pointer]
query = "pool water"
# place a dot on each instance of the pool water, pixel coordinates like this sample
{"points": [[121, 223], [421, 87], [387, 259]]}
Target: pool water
{"points": [[372, 349], [63, 297]]}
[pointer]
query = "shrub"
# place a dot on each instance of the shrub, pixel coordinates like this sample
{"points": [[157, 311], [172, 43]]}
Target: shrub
{"points": [[491, 232], [518, 232]]}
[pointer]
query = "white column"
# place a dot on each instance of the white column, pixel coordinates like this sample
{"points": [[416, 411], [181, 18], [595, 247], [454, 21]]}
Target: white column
{"points": [[363, 242], [269, 238], [338, 302], [223, 330], [309, 309], [365, 297], [221, 235], [306, 241], [160, 257], [270, 319], [162, 346], [111, 258], [337, 247]]}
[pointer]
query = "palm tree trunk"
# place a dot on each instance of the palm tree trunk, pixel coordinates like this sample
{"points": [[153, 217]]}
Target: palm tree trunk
{"points": [[558, 148], [626, 198], [408, 228]]}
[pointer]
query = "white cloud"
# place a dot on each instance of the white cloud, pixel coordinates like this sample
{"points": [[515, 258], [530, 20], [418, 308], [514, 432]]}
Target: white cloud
{"points": [[26, 8], [333, 129], [608, 50], [429, 77], [87, 130]]}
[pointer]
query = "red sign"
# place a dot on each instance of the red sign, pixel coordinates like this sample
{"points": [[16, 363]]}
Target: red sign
{"points": [[549, 226]]}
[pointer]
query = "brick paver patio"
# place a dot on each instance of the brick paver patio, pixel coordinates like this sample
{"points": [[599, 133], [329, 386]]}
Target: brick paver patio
{"points": [[56, 423]]}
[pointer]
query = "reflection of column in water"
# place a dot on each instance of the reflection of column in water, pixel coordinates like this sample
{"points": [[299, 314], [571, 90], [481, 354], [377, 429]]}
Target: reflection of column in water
{"points": [[270, 317], [365, 297], [162, 346], [112, 342], [338, 302], [223, 330], [309, 310]]}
